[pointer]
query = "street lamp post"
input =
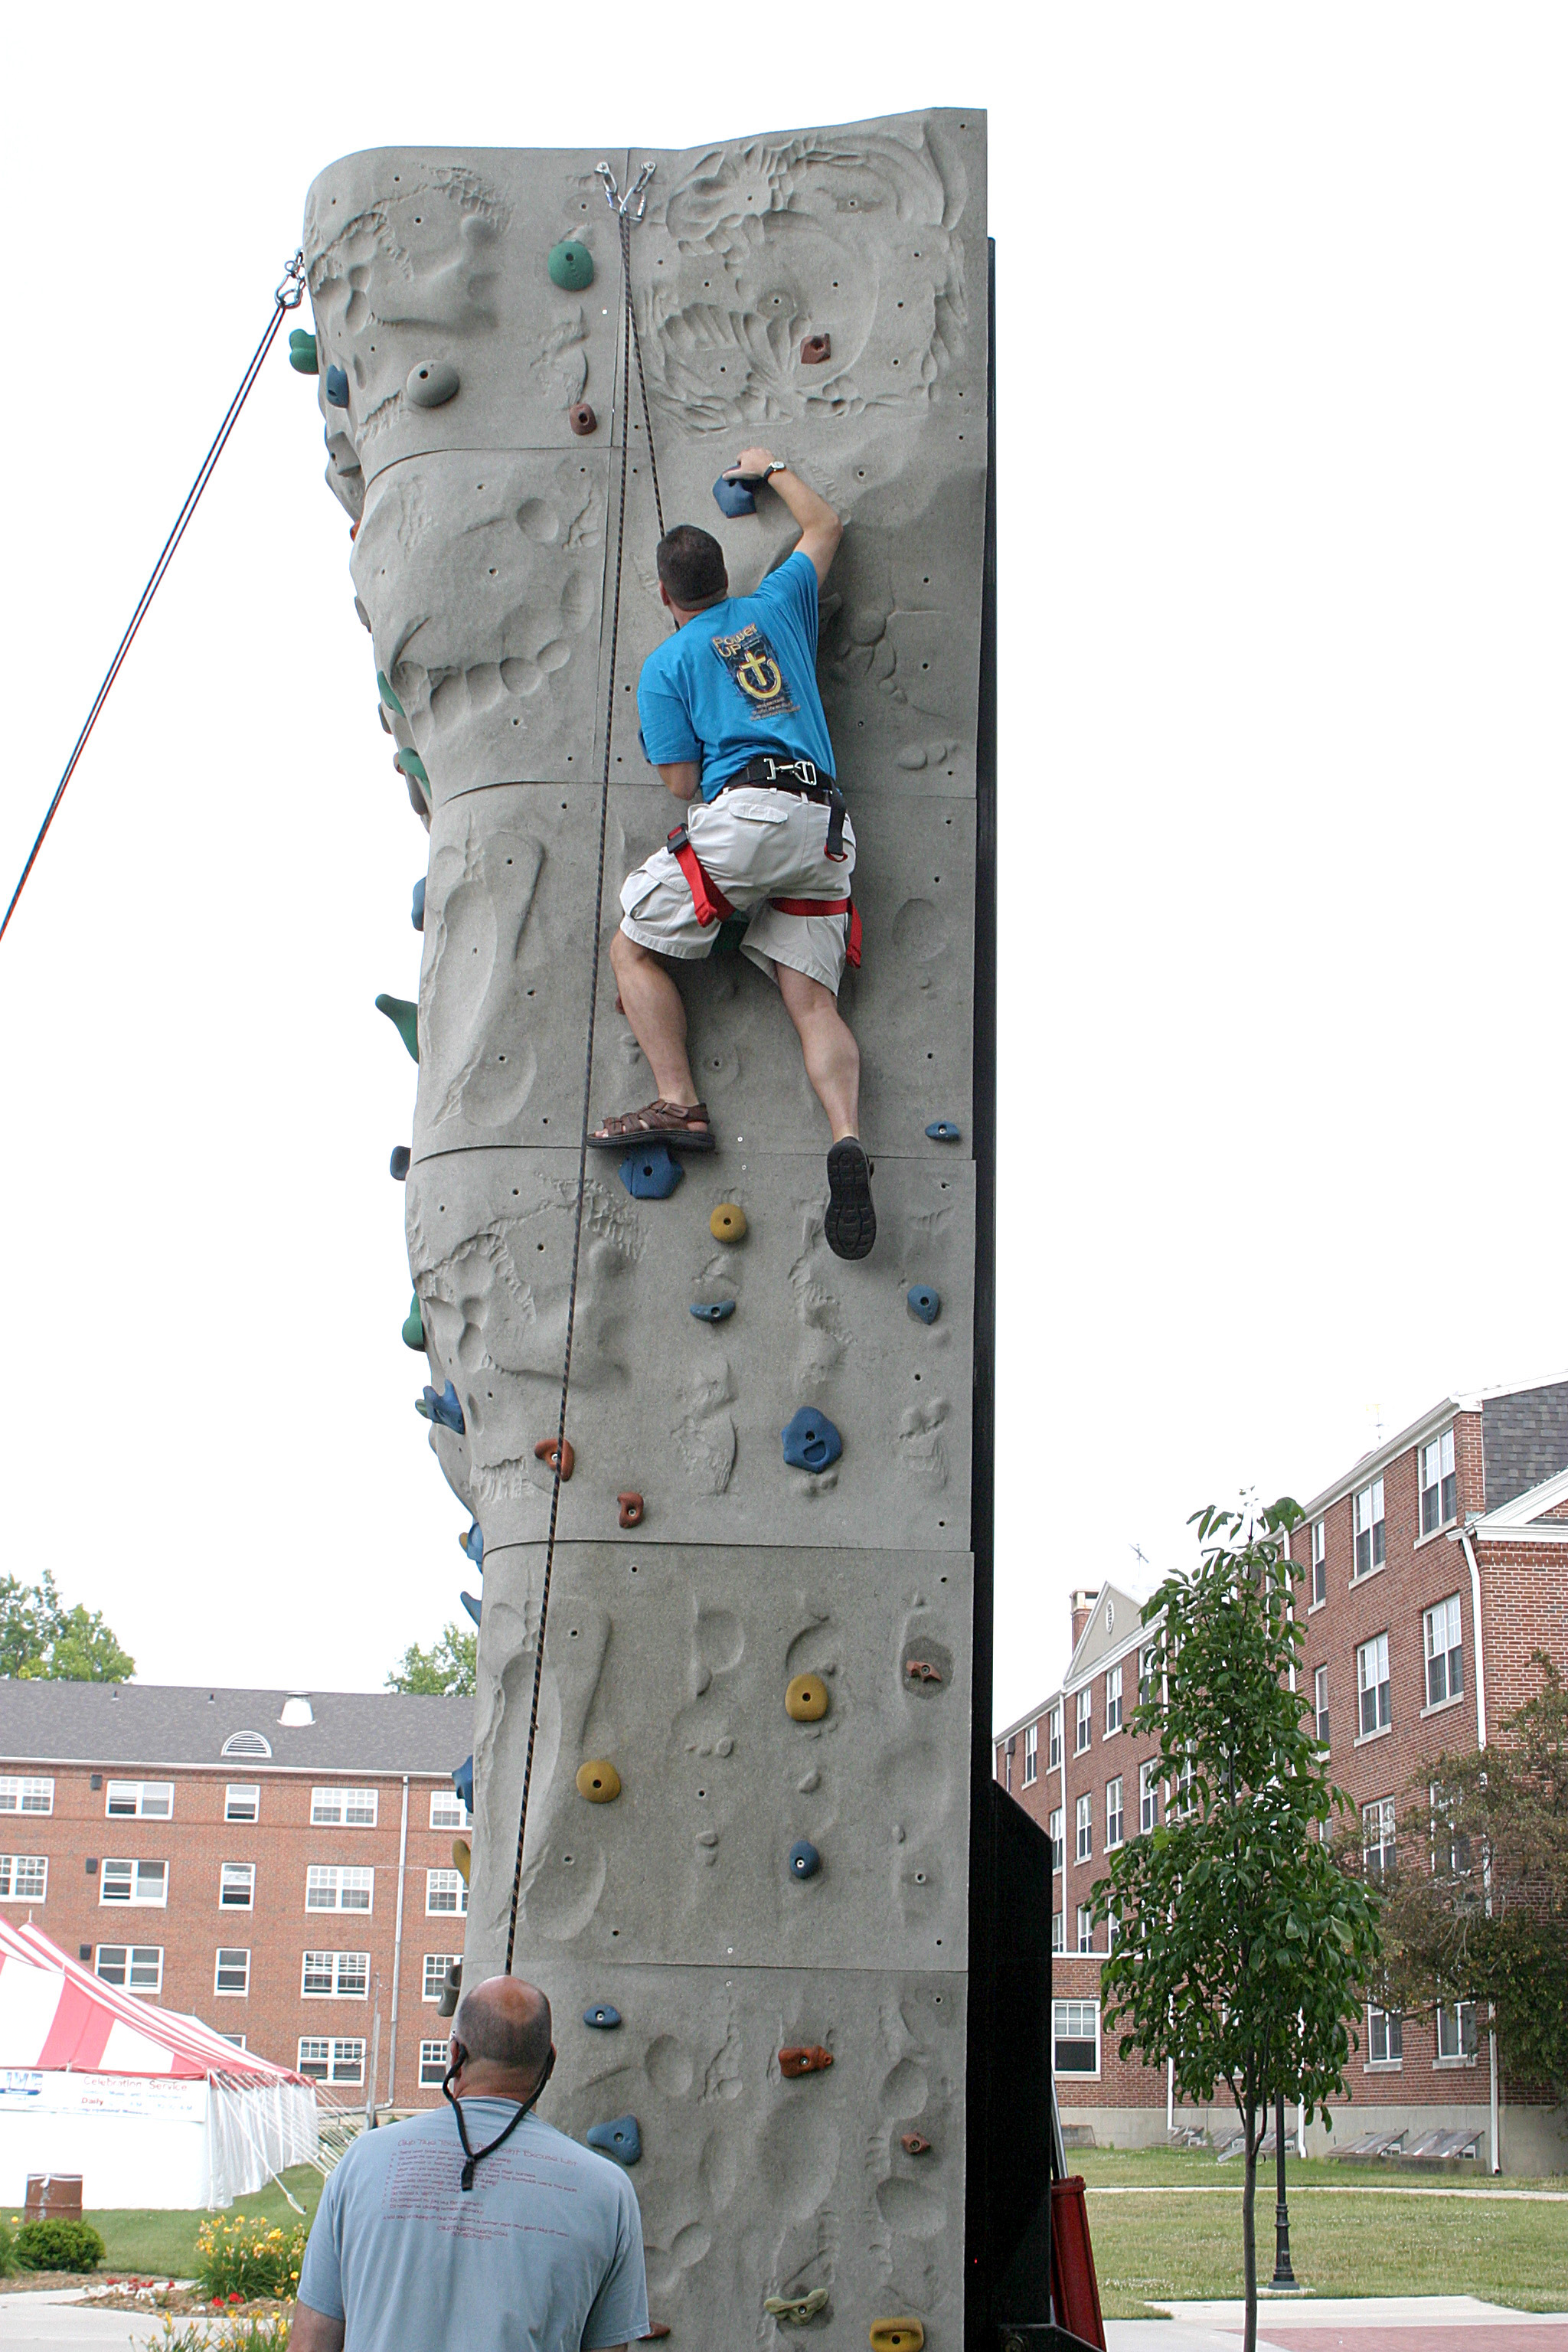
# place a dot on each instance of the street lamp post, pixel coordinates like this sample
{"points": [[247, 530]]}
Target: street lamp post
{"points": [[1284, 2276]]}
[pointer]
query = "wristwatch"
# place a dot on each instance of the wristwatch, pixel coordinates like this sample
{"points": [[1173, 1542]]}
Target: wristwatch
{"points": [[779, 466]]}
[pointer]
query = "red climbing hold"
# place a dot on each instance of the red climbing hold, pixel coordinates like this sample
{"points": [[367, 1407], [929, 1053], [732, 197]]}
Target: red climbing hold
{"points": [[806, 2058], [546, 1452], [631, 1510], [914, 2144], [814, 350], [654, 2332], [920, 1670], [581, 418]]}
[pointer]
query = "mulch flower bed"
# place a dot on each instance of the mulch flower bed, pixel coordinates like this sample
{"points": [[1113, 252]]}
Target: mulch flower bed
{"points": [[168, 2294]]}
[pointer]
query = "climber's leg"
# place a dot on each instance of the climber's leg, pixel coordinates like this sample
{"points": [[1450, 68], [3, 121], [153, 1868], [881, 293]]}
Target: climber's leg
{"points": [[832, 1056], [654, 1006]]}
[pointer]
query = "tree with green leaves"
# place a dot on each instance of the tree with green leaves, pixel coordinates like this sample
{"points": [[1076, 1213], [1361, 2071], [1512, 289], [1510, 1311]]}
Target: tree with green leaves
{"points": [[447, 1669], [1477, 1905], [1241, 1948], [42, 1640]]}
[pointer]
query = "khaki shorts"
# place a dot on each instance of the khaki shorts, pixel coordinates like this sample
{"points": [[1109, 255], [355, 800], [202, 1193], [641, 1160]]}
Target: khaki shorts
{"points": [[754, 844]]}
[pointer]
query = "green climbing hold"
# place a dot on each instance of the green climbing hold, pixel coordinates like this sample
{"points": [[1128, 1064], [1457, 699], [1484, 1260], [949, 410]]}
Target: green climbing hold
{"points": [[303, 352], [411, 764], [384, 687], [571, 265], [404, 1019], [413, 1325]]}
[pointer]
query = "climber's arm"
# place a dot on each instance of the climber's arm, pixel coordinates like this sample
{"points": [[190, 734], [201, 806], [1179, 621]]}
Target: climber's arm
{"points": [[683, 777], [820, 529]]}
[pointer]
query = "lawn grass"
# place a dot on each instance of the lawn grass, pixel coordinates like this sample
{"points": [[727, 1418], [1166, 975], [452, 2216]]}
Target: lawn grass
{"points": [[165, 2243], [1170, 2248]]}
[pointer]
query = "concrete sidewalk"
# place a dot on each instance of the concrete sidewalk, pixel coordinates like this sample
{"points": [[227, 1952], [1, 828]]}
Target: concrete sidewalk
{"points": [[1415, 2323], [53, 2317]]}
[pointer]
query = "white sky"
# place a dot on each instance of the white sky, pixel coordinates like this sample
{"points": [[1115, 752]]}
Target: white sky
{"points": [[1283, 513]]}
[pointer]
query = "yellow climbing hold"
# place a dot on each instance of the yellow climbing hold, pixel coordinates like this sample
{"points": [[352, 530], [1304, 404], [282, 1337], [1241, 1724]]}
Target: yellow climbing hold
{"points": [[728, 1222], [462, 1856], [598, 1781], [805, 1700], [897, 2336]]}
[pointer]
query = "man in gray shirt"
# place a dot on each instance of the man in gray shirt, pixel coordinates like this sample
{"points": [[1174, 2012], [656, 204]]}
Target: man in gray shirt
{"points": [[482, 2227]]}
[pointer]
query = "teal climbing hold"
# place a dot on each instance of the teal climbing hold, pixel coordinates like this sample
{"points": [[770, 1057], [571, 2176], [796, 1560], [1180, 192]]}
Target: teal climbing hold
{"points": [[713, 1310], [404, 1019], [337, 388], [805, 1862], [622, 2140], [945, 1131], [603, 2016], [810, 1440], [413, 765], [571, 265], [302, 353], [384, 687], [924, 1303], [472, 1605], [413, 1325], [652, 1173]]}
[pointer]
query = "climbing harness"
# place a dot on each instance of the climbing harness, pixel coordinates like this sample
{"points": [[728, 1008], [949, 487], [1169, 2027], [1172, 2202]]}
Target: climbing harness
{"points": [[622, 207], [289, 295], [714, 906], [803, 777]]}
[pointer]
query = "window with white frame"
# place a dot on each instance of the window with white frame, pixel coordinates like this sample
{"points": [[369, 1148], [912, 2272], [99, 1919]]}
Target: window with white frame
{"points": [[1450, 1846], [24, 1877], [1377, 1837], [1320, 1561], [352, 1808], [146, 1800], [134, 1967], [1444, 1646], [1148, 1672], [1007, 1765], [1320, 1704], [1372, 1681], [1113, 1813], [1083, 1725], [447, 1810], [1112, 1929], [338, 1887], [1056, 1838], [435, 2057], [1084, 1928], [1112, 1701], [1456, 2032], [237, 1886], [1085, 1829], [323, 2060], [1384, 2038], [1148, 1795], [22, 1794], [435, 1978], [1183, 1796], [1055, 1755], [336, 1976], [1440, 1486], [1075, 2037], [1058, 1931], [231, 1976], [237, 2040], [1369, 1529], [241, 1802], [445, 1893], [1031, 1755], [133, 1882]]}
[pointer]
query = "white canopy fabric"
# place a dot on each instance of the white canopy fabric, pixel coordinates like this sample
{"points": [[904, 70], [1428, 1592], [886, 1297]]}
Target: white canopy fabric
{"points": [[152, 2108]]}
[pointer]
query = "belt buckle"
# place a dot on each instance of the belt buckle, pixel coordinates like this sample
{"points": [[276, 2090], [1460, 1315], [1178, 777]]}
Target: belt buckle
{"points": [[771, 765], [807, 771]]}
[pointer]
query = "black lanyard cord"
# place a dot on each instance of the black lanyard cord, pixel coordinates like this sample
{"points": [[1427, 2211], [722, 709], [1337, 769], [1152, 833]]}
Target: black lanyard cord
{"points": [[477, 2156]]}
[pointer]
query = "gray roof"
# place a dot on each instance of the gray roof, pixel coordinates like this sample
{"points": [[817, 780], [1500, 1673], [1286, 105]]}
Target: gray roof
{"points": [[167, 1723], [1524, 1440]]}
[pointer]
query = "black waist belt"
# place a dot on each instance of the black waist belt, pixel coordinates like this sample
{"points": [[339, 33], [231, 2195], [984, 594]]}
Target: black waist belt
{"points": [[804, 778]]}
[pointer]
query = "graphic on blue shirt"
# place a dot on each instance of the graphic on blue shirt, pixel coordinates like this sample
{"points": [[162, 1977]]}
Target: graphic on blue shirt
{"points": [[756, 670], [737, 680]]}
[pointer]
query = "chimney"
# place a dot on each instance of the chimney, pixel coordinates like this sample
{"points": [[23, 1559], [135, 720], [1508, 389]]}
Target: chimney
{"points": [[1082, 1610]]}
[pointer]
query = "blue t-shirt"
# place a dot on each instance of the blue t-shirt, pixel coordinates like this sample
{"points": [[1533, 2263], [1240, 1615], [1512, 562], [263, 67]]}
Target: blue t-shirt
{"points": [[543, 2254], [737, 680]]}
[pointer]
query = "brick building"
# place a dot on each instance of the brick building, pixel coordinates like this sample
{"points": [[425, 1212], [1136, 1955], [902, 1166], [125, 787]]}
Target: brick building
{"points": [[279, 1864], [1428, 1574]]}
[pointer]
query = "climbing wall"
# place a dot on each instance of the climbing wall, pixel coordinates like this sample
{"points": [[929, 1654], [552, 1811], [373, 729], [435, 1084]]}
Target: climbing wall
{"points": [[748, 1834]]}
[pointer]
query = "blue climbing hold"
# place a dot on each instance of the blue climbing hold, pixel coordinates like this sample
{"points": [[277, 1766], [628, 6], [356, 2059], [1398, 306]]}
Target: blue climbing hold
{"points": [[945, 1131], [735, 498], [463, 1782], [924, 1303], [713, 1310], [418, 914], [805, 1862], [472, 1605], [621, 2139], [444, 1409], [400, 1160], [652, 1173], [473, 1543], [337, 388], [810, 1440], [604, 2017]]}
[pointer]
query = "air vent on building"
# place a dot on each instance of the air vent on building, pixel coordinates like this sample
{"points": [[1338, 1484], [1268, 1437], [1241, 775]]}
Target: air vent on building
{"points": [[246, 1743], [297, 1710], [95, 1780]]}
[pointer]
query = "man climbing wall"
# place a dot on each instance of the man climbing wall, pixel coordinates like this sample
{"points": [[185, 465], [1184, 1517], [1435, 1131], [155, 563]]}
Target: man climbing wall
{"points": [[732, 720]]}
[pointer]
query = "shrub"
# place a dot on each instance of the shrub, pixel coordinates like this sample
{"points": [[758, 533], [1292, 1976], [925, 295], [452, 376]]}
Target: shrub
{"points": [[248, 2258], [268, 2335], [58, 2246], [7, 2252]]}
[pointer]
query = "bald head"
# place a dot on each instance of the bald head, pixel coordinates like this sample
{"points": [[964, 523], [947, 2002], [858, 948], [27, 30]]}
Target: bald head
{"points": [[504, 2027]]}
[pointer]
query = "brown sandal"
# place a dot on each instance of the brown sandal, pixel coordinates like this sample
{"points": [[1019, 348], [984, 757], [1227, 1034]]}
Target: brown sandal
{"points": [[682, 1126]]}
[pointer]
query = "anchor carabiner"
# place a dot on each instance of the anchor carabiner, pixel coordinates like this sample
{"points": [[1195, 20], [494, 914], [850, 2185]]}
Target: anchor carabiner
{"points": [[636, 194]]}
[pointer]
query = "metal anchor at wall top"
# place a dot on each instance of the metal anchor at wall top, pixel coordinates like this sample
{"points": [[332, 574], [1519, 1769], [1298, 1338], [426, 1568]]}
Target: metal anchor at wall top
{"points": [[633, 203]]}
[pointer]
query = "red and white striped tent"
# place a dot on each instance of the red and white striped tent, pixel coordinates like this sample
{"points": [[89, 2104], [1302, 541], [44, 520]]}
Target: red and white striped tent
{"points": [[150, 2107]]}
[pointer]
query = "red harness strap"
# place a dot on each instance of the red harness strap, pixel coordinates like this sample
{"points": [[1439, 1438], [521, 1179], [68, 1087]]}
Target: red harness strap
{"points": [[827, 906], [713, 907]]}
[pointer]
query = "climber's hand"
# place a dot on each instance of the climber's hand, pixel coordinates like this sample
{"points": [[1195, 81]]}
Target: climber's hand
{"points": [[749, 461]]}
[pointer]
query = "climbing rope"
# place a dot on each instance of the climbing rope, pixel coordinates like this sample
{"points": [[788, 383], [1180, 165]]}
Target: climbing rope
{"points": [[629, 209], [289, 294]]}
